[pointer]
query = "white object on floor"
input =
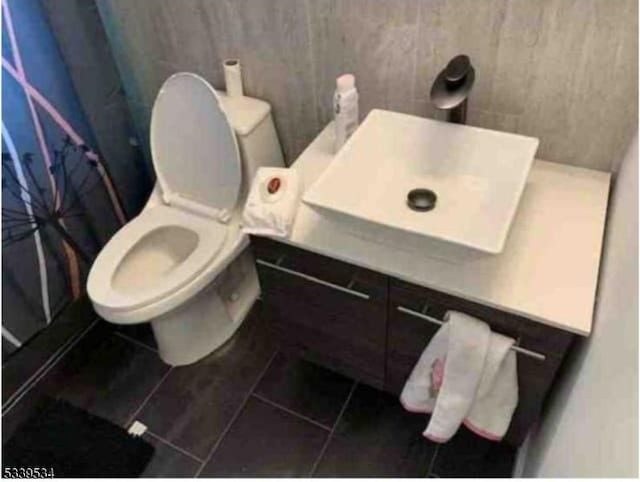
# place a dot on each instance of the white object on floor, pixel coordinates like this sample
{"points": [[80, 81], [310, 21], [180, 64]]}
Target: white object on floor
{"points": [[137, 429], [165, 266], [273, 201], [466, 374]]}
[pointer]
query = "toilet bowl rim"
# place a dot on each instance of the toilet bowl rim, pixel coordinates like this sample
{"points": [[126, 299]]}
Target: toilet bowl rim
{"points": [[212, 237], [145, 313]]}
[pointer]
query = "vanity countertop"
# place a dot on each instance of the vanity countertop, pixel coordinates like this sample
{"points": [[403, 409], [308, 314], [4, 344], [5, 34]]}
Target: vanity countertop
{"points": [[547, 272]]}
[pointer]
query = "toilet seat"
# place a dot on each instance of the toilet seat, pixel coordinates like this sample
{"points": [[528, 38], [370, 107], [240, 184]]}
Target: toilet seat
{"points": [[114, 290]]}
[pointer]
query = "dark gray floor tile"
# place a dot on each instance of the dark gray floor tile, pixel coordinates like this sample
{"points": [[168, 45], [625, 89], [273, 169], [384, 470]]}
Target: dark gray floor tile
{"points": [[265, 441], [45, 346], [141, 332], [114, 381], [168, 461], [305, 388], [376, 437], [467, 455], [195, 403]]}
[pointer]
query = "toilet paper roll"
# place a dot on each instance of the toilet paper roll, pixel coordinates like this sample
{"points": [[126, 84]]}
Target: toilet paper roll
{"points": [[233, 77]]}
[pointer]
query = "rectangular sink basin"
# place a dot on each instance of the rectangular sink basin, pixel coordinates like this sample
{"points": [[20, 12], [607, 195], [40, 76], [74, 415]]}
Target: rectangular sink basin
{"points": [[477, 176]]}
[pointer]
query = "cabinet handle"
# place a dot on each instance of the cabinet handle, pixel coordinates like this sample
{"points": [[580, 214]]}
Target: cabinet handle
{"points": [[313, 279], [436, 321]]}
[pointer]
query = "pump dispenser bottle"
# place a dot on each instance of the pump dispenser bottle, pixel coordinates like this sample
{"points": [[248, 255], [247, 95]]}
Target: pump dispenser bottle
{"points": [[345, 109]]}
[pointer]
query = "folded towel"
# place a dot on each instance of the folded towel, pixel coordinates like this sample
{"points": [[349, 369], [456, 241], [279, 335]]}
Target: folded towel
{"points": [[272, 202], [497, 396], [421, 388], [468, 374]]}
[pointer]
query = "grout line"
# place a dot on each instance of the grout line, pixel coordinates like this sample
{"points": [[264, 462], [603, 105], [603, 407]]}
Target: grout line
{"points": [[52, 360], [44, 369], [333, 429], [433, 460], [235, 416], [172, 445], [288, 410], [134, 341], [147, 398]]}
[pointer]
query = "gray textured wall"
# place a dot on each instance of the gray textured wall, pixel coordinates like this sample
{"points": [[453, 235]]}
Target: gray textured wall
{"points": [[562, 70]]}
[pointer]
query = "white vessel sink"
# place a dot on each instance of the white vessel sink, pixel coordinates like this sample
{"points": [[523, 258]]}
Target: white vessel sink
{"points": [[478, 176]]}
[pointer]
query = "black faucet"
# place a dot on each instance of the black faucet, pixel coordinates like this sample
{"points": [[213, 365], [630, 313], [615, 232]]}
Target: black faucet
{"points": [[450, 90]]}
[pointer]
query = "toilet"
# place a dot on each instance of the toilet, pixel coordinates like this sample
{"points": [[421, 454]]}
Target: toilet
{"points": [[183, 263]]}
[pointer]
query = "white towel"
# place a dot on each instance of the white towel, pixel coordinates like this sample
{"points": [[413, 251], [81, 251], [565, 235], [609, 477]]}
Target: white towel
{"points": [[272, 203], [466, 373], [421, 388], [497, 396]]}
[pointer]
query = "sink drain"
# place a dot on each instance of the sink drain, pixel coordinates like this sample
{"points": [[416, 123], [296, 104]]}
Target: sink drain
{"points": [[421, 199]]}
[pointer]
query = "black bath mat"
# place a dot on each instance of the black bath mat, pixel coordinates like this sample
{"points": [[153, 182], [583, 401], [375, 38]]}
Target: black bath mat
{"points": [[70, 442]]}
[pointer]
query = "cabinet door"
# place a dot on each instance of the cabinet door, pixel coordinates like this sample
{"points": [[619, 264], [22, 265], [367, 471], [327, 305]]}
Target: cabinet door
{"points": [[331, 312], [409, 334]]}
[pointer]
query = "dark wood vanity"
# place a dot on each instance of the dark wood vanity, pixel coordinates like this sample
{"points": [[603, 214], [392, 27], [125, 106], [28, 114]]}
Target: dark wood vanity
{"points": [[373, 327]]}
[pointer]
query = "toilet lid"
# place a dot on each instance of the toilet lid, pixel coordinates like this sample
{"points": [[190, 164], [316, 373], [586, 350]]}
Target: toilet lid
{"points": [[194, 148]]}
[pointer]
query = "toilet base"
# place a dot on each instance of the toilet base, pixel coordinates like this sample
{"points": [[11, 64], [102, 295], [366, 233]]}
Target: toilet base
{"points": [[194, 330]]}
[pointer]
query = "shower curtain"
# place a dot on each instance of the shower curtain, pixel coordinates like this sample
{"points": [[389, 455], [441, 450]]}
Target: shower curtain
{"points": [[59, 202]]}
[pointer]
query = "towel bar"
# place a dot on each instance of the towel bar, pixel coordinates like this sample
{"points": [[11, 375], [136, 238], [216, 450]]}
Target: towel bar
{"points": [[313, 279], [431, 319]]}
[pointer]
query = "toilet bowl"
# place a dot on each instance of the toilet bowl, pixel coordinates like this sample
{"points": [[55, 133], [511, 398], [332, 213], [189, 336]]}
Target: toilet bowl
{"points": [[162, 267]]}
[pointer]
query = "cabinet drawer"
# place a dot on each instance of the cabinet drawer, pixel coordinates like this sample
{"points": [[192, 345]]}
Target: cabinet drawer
{"points": [[331, 312], [409, 334], [344, 275], [533, 336]]}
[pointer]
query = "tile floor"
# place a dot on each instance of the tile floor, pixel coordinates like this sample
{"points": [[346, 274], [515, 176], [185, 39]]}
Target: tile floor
{"points": [[251, 410]]}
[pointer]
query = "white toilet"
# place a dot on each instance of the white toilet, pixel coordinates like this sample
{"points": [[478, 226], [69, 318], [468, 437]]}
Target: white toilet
{"points": [[182, 264]]}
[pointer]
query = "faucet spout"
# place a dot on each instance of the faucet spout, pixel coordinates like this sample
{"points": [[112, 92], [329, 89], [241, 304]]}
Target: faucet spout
{"points": [[450, 91]]}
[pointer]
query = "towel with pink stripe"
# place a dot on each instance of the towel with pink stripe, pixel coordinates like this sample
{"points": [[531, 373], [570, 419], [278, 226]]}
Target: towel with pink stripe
{"points": [[466, 375]]}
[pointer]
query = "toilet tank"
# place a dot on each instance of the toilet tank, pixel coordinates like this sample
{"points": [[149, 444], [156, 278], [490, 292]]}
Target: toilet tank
{"points": [[256, 133]]}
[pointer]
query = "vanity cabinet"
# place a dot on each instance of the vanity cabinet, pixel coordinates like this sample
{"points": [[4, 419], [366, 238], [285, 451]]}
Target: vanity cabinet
{"points": [[330, 312], [373, 328]]}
